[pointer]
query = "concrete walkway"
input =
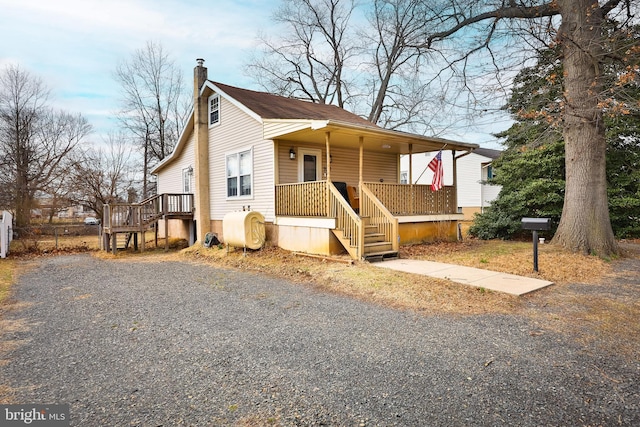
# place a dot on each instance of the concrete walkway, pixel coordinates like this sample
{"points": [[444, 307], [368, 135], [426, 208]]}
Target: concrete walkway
{"points": [[477, 277]]}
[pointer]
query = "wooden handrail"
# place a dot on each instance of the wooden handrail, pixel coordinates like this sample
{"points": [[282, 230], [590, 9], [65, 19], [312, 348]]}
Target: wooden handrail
{"points": [[347, 220], [379, 215]]}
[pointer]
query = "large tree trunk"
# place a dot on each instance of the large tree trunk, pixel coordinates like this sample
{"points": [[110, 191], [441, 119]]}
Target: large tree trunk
{"points": [[585, 225]]}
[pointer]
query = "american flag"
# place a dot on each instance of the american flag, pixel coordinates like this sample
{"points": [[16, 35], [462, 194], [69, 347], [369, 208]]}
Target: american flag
{"points": [[436, 166]]}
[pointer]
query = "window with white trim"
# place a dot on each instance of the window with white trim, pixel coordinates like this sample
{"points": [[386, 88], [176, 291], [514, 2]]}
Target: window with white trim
{"points": [[186, 180], [240, 174], [214, 109]]}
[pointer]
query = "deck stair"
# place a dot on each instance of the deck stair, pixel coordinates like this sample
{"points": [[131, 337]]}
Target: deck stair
{"points": [[364, 236], [124, 222], [376, 248]]}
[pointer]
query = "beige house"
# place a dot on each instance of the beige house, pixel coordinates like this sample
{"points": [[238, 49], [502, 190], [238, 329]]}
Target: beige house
{"points": [[325, 180]]}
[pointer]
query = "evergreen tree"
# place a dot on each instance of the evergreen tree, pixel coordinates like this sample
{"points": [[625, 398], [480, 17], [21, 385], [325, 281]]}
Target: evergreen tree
{"points": [[531, 170]]}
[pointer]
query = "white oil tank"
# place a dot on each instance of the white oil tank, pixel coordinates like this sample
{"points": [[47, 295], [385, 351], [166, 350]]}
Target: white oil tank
{"points": [[243, 229]]}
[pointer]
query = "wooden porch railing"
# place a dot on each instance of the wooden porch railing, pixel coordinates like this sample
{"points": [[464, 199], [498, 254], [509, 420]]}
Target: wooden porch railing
{"points": [[376, 212], [302, 199], [177, 204], [133, 216], [309, 199], [405, 199]]}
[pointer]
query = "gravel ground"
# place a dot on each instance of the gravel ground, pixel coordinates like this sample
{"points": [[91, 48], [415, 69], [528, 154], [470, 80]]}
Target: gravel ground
{"points": [[168, 343]]}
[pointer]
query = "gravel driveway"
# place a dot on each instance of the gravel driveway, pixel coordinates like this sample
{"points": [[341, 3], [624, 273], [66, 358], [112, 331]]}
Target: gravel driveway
{"points": [[168, 343]]}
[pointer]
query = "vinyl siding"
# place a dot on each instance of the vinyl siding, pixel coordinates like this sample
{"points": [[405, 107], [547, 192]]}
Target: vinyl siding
{"points": [[469, 170], [238, 132], [170, 178], [344, 165]]}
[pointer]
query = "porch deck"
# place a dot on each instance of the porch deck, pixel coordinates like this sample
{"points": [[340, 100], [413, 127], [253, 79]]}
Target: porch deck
{"points": [[373, 231], [133, 218], [310, 199]]}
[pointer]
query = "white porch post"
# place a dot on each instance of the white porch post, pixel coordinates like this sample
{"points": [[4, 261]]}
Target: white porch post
{"points": [[455, 179], [411, 164], [413, 203]]}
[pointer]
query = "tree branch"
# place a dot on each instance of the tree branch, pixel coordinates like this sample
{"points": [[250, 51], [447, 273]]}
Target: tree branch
{"points": [[511, 12]]}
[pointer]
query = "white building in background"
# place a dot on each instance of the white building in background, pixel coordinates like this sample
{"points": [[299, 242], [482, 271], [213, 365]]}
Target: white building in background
{"points": [[473, 171]]}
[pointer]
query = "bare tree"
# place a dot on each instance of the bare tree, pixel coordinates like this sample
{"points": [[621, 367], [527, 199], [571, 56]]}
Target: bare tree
{"points": [[153, 107], [396, 25], [103, 174], [308, 61], [578, 27], [373, 69], [35, 140]]}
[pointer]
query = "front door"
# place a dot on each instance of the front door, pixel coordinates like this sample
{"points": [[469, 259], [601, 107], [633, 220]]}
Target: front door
{"points": [[309, 165]]}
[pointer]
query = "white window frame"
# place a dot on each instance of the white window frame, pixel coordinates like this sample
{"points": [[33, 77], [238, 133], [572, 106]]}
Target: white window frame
{"points": [[210, 110], [186, 180], [236, 155], [487, 169]]}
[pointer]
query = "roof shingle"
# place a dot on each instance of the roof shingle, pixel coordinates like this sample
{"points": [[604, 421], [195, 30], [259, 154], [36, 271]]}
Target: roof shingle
{"points": [[269, 106]]}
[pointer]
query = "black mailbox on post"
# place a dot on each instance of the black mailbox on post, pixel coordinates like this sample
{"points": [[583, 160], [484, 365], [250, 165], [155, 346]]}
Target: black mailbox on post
{"points": [[536, 224]]}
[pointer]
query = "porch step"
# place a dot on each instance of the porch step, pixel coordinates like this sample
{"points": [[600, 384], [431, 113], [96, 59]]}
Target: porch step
{"points": [[381, 256], [377, 247], [373, 238]]}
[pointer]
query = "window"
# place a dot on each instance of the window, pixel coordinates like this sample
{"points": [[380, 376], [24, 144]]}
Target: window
{"points": [[186, 179], [488, 173], [239, 174], [214, 109]]}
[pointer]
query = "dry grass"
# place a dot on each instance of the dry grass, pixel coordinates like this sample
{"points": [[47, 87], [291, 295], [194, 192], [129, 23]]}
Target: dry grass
{"points": [[151, 252], [554, 263], [49, 244], [7, 270]]}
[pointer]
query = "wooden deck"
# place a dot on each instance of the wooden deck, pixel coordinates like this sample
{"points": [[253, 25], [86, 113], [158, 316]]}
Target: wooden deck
{"points": [[310, 199], [132, 218], [373, 230]]}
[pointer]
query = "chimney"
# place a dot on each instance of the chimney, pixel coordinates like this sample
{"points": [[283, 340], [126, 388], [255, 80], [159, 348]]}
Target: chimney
{"points": [[202, 215], [199, 76]]}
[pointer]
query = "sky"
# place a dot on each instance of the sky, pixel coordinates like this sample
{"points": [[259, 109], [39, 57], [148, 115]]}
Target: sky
{"points": [[75, 46]]}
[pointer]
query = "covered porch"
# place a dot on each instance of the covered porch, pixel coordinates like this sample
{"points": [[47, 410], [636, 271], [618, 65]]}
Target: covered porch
{"points": [[318, 162]]}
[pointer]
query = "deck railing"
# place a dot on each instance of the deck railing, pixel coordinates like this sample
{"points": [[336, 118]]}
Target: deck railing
{"points": [[177, 204], [377, 213], [302, 199], [347, 221], [133, 216], [405, 199], [309, 199]]}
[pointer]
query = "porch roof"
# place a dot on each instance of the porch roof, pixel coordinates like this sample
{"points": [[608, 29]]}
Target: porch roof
{"points": [[346, 134]]}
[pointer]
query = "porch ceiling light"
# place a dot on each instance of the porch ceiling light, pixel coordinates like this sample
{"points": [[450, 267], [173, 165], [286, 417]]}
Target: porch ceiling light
{"points": [[386, 146], [292, 154]]}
